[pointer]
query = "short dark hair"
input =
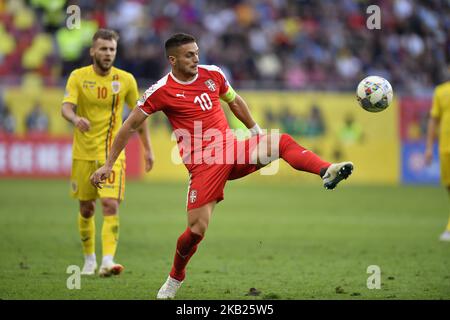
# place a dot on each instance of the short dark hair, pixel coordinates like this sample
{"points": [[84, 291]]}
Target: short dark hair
{"points": [[106, 34], [178, 40]]}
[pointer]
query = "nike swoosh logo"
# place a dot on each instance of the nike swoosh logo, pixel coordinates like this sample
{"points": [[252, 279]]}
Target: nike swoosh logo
{"points": [[184, 257]]}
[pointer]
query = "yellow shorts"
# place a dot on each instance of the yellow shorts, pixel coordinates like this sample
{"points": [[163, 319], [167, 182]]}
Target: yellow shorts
{"points": [[445, 168], [81, 187]]}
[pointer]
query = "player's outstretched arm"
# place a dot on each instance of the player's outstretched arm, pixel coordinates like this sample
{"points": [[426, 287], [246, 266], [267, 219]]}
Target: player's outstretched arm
{"points": [[130, 126], [240, 109], [144, 135]]}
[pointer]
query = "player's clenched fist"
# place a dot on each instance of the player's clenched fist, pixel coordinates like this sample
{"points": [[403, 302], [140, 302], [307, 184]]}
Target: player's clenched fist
{"points": [[82, 123], [99, 176]]}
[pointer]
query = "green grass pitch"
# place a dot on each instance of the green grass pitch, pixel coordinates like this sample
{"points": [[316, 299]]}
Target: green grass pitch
{"points": [[287, 241]]}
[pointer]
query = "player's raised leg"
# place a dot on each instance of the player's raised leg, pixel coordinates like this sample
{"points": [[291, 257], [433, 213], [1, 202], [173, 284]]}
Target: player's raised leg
{"points": [[86, 227], [110, 237], [198, 220], [285, 147]]}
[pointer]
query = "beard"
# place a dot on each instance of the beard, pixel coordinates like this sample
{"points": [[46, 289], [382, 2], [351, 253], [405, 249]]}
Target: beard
{"points": [[190, 71], [103, 66]]}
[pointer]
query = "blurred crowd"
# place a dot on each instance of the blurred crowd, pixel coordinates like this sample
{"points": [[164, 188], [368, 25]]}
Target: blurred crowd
{"points": [[267, 44]]}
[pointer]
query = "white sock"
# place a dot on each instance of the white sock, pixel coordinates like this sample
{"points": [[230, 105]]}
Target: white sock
{"points": [[107, 260], [90, 257]]}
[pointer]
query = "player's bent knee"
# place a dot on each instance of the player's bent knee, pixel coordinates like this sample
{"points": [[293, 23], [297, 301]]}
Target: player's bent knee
{"points": [[198, 219], [199, 228], [268, 149], [110, 206], [87, 208]]}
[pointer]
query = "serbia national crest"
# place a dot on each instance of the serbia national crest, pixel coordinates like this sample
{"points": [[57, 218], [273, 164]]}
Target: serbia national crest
{"points": [[193, 196], [211, 85]]}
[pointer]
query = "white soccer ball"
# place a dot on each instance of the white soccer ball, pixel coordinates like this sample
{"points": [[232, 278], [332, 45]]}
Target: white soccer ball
{"points": [[374, 94]]}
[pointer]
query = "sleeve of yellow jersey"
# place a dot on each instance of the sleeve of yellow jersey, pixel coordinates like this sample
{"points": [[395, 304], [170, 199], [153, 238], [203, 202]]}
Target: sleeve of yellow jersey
{"points": [[436, 108], [71, 93], [132, 94]]}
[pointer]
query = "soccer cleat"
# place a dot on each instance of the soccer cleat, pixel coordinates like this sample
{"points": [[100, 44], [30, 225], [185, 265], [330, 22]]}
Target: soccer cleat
{"points": [[169, 289], [89, 268], [110, 269], [445, 236], [335, 173]]}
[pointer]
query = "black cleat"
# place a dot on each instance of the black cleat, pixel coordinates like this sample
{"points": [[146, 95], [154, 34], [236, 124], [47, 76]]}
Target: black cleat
{"points": [[335, 173]]}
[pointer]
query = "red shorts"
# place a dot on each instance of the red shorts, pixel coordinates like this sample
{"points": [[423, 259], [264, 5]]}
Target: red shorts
{"points": [[207, 181]]}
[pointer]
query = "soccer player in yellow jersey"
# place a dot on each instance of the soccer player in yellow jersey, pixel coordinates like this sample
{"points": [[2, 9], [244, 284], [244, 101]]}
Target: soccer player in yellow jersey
{"points": [[440, 118], [94, 102]]}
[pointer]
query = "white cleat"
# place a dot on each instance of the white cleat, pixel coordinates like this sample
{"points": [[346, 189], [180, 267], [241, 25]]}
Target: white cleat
{"points": [[445, 236], [169, 289], [110, 269], [335, 173], [89, 268]]}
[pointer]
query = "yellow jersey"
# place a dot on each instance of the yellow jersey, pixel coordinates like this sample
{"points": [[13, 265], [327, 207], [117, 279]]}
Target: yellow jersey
{"points": [[441, 111], [100, 99]]}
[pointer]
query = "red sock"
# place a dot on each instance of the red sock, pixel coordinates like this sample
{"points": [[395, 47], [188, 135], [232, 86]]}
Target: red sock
{"points": [[300, 158], [186, 247]]}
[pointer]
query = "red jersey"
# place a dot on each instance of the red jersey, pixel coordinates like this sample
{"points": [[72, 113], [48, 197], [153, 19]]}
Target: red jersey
{"points": [[193, 108]]}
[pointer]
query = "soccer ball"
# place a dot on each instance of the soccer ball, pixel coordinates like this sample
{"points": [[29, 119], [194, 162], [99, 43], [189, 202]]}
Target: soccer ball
{"points": [[374, 94]]}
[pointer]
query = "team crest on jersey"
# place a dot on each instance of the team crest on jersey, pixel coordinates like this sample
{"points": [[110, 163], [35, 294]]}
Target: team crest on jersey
{"points": [[193, 196], [115, 87], [211, 85]]}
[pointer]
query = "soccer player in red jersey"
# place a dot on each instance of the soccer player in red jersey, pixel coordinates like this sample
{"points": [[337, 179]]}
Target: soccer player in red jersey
{"points": [[190, 97]]}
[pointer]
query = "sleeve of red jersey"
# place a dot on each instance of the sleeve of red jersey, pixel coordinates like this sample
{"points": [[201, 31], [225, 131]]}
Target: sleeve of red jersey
{"points": [[150, 101], [224, 84]]}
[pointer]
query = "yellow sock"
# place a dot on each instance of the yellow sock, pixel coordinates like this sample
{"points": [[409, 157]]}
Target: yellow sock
{"points": [[86, 226], [110, 234], [448, 225]]}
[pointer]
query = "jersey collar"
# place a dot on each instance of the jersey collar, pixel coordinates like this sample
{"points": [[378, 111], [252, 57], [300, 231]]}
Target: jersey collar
{"points": [[183, 82]]}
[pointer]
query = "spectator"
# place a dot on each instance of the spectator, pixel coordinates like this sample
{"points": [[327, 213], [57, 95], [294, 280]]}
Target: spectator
{"points": [[351, 132], [318, 45], [37, 120], [7, 121], [315, 122]]}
